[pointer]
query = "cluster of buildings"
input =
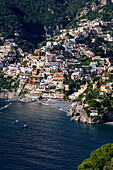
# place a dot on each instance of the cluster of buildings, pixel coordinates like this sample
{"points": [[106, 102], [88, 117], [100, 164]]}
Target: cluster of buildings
{"points": [[43, 75], [8, 52]]}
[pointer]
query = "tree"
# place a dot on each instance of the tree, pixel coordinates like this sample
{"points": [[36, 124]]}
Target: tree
{"points": [[66, 97], [99, 159]]}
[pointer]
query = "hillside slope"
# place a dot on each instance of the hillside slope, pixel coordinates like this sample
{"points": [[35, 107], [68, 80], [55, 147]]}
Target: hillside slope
{"points": [[28, 21]]}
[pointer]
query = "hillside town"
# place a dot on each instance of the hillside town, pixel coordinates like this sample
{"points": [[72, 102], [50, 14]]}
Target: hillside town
{"points": [[63, 68]]}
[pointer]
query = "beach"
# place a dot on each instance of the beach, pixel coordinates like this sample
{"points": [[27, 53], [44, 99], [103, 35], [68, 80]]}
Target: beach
{"points": [[58, 104]]}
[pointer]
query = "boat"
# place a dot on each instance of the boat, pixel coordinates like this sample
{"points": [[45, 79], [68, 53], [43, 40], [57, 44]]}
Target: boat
{"points": [[17, 121], [25, 126]]}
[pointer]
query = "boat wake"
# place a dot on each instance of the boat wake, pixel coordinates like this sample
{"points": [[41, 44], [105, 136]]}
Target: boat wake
{"points": [[6, 106]]}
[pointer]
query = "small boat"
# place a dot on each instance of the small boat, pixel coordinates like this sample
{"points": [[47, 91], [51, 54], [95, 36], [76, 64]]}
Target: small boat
{"points": [[25, 126], [17, 121]]}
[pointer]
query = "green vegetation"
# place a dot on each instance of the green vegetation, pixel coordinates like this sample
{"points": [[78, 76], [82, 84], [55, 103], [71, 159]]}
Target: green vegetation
{"points": [[87, 111], [93, 103], [91, 98], [8, 83], [97, 100], [27, 21], [84, 60], [53, 87], [78, 98], [68, 35], [66, 97], [74, 86], [81, 40], [105, 13], [101, 158]]}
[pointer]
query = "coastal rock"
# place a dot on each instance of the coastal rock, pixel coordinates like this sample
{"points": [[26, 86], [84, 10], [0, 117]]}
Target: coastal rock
{"points": [[68, 114], [75, 118], [71, 113], [74, 104], [83, 120], [97, 121], [89, 121], [78, 114]]}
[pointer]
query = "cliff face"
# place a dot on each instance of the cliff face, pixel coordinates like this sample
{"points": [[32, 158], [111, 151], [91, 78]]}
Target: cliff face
{"points": [[78, 114]]}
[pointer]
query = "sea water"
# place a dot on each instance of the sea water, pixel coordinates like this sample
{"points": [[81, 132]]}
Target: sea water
{"points": [[51, 141]]}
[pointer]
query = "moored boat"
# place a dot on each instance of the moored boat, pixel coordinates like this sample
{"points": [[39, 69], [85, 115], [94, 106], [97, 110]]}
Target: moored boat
{"points": [[25, 126]]}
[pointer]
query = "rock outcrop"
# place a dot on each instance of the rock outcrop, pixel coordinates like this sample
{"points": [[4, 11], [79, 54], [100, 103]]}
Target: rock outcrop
{"points": [[78, 114]]}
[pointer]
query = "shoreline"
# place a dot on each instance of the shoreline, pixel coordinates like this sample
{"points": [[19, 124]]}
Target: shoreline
{"points": [[61, 105]]}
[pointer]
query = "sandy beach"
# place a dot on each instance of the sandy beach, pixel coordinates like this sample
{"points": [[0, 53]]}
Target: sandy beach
{"points": [[58, 104]]}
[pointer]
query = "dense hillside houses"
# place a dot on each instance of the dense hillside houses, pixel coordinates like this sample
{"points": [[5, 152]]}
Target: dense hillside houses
{"points": [[67, 67]]}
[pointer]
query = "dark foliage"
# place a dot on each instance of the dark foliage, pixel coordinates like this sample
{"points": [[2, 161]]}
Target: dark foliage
{"points": [[101, 158], [32, 18]]}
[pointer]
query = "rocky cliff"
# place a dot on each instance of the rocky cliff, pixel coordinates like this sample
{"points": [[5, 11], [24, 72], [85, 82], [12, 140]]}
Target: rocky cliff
{"points": [[78, 114]]}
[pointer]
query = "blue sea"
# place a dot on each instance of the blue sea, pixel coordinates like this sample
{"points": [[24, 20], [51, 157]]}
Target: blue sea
{"points": [[51, 142]]}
